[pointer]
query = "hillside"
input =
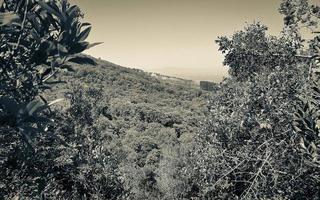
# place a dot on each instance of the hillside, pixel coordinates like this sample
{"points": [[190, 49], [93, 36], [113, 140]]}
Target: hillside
{"points": [[142, 120], [132, 87]]}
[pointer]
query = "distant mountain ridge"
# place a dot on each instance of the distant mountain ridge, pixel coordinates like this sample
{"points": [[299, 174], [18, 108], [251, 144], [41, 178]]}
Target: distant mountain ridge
{"points": [[180, 74], [188, 73]]}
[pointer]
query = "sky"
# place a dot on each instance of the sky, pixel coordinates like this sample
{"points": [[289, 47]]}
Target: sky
{"points": [[172, 37]]}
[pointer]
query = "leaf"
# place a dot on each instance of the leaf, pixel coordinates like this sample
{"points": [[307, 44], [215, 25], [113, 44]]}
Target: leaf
{"points": [[64, 6], [94, 44], [52, 20], [79, 47], [85, 24], [55, 7], [63, 36], [74, 29], [73, 11], [49, 9], [84, 34]]}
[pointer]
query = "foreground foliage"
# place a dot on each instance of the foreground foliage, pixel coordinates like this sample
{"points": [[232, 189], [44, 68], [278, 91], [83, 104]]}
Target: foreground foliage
{"points": [[261, 138]]}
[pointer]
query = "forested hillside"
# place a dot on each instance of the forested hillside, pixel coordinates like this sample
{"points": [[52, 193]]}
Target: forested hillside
{"points": [[122, 125]]}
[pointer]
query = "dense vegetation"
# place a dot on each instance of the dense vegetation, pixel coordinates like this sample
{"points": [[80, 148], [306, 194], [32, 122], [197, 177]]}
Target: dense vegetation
{"points": [[122, 133], [261, 140]]}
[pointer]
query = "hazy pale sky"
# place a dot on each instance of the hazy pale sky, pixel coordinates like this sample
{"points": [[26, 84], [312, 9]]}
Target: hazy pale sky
{"points": [[174, 37]]}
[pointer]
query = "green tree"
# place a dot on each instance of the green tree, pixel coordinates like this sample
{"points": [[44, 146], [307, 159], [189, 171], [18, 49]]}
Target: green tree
{"points": [[252, 51]]}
